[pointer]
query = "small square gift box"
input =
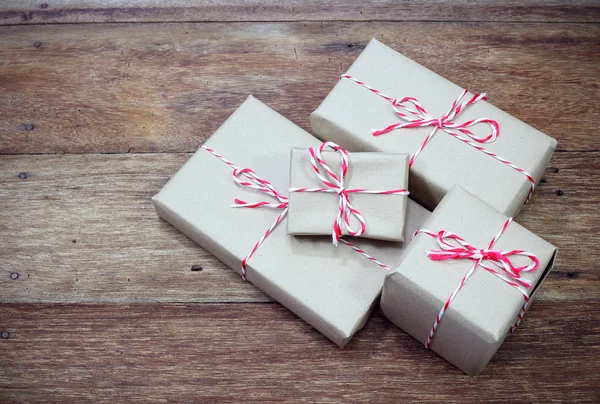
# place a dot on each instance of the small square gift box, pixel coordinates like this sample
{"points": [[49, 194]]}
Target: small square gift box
{"points": [[340, 193], [388, 103], [231, 198], [466, 280]]}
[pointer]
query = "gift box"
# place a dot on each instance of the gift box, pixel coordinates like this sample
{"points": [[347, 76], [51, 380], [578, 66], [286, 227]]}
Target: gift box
{"points": [[465, 280], [246, 163], [387, 102], [341, 193]]}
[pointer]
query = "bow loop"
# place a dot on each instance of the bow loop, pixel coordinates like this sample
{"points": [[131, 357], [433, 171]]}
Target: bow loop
{"points": [[336, 184], [246, 177]]}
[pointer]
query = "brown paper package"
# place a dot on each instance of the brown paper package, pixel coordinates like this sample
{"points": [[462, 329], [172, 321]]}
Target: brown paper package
{"points": [[333, 289], [314, 213], [481, 314], [350, 111]]}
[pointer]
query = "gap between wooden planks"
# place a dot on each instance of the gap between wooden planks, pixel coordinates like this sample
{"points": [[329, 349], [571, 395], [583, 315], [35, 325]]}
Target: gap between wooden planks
{"points": [[78, 11], [81, 228], [113, 89], [165, 87], [215, 352]]}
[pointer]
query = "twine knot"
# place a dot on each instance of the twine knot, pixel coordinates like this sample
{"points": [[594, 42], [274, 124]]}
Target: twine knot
{"points": [[246, 177]]}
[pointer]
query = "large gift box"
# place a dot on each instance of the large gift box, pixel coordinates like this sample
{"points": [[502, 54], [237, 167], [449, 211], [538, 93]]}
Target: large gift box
{"points": [[246, 163], [340, 193], [465, 280], [387, 102]]}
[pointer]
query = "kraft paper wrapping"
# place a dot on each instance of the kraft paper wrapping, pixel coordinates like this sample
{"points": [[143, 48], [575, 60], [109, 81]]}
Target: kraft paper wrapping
{"points": [[333, 289], [480, 316], [350, 111], [314, 213]]}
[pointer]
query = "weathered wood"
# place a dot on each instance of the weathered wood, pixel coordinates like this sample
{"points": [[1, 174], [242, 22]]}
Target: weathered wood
{"points": [[81, 228], [78, 11], [214, 352], [162, 320], [165, 87]]}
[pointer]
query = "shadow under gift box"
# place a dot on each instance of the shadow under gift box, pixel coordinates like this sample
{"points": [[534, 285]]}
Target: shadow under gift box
{"points": [[333, 289], [483, 311], [351, 111]]}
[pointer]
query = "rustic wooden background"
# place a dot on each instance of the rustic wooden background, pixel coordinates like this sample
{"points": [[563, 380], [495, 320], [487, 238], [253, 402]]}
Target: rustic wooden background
{"points": [[102, 101]]}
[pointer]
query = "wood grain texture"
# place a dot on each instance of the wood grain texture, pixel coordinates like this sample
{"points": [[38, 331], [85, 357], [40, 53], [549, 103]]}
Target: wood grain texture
{"points": [[81, 228], [216, 352], [101, 301], [78, 11], [114, 88]]}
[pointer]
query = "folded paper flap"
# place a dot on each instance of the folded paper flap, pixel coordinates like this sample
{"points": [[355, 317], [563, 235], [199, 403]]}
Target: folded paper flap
{"points": [[314, 213], [487, 302], [332, 288], [397, 76], [535, 289]]}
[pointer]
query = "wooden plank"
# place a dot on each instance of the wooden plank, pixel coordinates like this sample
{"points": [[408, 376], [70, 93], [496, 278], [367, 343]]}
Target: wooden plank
{"points": [[81, 228], [165, 87], [86, 230], [78, 11], [262, 352]]}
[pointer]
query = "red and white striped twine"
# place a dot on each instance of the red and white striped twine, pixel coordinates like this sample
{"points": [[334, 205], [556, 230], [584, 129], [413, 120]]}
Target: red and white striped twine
{"points": [[246, 177], [417, 117], [252, 180], [364, 254], [334, 183], [455, 247]]}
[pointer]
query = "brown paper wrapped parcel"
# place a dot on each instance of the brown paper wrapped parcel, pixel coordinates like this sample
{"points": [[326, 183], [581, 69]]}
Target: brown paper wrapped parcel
{"points": [[486, 308], [332, 288], [313, 213], [350, 112]]}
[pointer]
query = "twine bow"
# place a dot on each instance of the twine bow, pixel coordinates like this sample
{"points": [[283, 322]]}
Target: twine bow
{"points": [[255, 182], [500, 259], [413, 115], [334, 183], [455, 247], [246, 177], [418, 117]]}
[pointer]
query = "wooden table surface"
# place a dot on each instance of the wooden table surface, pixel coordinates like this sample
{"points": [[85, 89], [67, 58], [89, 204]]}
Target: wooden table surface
{"points": [[102, 101]]}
